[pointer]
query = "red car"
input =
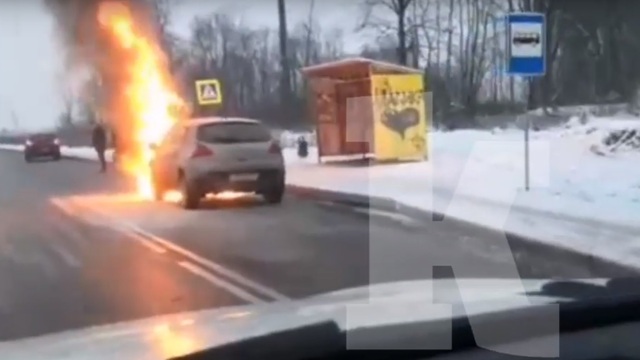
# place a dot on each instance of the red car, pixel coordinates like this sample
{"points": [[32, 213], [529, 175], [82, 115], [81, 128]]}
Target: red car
{"points": [[42, 145]]}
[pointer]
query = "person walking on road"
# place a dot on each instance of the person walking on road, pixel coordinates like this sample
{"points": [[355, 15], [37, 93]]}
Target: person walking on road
{"points": [[99, 142]]}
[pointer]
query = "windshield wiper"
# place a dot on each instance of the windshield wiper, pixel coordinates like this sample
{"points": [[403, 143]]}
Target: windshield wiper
{"points": [[322, 340]]}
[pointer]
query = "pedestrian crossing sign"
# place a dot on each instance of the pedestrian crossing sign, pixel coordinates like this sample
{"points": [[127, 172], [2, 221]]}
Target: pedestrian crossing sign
{"points": [[208, 92]]}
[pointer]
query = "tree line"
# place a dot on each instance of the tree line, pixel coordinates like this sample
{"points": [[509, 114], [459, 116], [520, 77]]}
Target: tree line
{"points": [[592, 55]]}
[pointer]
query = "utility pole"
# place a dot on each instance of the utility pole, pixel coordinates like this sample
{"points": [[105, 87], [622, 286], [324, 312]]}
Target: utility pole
{"points": [[285, 80], [15, 120]]}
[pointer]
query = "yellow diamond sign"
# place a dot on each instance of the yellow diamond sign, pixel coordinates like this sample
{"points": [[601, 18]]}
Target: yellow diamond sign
{"points": [[208, 92]]}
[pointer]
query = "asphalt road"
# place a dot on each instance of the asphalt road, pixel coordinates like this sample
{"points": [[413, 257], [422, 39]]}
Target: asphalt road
{"points": [[76, 249]]}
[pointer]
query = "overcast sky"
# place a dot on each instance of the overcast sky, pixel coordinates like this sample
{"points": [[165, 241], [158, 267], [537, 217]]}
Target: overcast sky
{"points": [[30, 65]]}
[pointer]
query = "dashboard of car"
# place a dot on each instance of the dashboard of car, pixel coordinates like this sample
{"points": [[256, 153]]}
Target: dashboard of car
{"points": [[606, 343]]}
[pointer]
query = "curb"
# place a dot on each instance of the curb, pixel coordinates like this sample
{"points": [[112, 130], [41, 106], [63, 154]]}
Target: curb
{"points": [[355, 200], [519, 244], [558, 215]]}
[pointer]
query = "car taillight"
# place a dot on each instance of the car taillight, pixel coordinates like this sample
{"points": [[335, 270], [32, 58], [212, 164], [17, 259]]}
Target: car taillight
{"points": [[201, 151], [274, 148]]}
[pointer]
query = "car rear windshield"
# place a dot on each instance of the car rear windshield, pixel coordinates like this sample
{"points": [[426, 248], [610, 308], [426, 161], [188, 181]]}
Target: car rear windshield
{"points": [[233, 132]]}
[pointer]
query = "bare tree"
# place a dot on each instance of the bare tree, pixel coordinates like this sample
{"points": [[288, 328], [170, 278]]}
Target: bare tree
{"points": [[381, 23], [249, 64], [65, 119]]}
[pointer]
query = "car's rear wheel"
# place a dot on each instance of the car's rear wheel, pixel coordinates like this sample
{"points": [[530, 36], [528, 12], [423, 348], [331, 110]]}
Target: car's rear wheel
{"points": [[274, 195], [190, 199], [27, 158], [57, 157]]}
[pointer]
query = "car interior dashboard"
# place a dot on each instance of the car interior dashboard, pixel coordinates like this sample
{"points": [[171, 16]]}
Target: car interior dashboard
{"points": [[598, 323]]}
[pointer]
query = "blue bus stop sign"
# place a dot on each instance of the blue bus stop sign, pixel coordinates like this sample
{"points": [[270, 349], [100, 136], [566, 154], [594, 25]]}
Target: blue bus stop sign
{"points": [[526, 44]]}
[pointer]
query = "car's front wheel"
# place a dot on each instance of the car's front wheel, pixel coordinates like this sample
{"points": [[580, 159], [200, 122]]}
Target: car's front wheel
{"points": [[27, 158]]}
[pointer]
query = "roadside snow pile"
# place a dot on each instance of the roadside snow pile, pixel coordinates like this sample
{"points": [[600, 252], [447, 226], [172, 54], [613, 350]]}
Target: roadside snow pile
{"points": [[567, 175], [623, 139], [606, 135], [593, 109]]}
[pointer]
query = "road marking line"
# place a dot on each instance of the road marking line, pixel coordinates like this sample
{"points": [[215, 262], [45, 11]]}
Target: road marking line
{"points": [[275, 295], [216, 281], [72, 208], [72, 234], [64, 206], [129, 228], [148, 243], [66, 255]]}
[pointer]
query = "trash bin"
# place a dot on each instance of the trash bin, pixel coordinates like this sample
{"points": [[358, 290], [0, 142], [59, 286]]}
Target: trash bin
{"points": [[303, 147]]}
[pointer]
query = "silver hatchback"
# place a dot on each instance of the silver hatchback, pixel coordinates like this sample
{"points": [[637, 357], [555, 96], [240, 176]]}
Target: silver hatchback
{"points": [[213, 155]]}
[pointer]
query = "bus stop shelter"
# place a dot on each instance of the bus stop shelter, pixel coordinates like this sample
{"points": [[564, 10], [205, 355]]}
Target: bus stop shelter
{"points": [[364, 108]]}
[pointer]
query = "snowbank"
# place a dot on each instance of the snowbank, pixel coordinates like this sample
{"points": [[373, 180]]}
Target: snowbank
{"points": [[566, 176], [601, 110], [581, 199]]}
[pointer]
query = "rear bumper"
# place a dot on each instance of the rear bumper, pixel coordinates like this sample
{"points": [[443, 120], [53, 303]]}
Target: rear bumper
{"points": [[216, 182]]}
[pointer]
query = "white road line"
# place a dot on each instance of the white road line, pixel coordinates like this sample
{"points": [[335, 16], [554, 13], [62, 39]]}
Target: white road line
{"points": [[275, 295], [66, 255], [150, 244], [128, 227], [216, 281], [73, 210], [70, 209], [62, 205], [125, 228], [71, 234]]}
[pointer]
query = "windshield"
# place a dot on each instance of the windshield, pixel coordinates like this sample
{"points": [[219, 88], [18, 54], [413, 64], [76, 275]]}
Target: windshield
{"points": [[233, 132], [239, 153]]}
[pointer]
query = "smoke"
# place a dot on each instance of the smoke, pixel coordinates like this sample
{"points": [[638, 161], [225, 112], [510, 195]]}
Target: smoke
{"points": [[78, 30], [74, 29], [90, 47], [94, 66]]}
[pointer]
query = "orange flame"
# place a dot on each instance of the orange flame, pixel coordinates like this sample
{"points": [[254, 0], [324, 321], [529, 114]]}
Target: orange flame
{"points": [[150, 92]]}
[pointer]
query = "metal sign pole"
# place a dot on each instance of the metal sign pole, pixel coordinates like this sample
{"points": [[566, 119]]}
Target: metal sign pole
{"points": [[526, 48], [526, 153]]}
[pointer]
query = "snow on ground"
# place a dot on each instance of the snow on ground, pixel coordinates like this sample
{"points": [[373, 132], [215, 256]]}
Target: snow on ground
{"points": [[583, 195], [567, 177], [580, 199]]}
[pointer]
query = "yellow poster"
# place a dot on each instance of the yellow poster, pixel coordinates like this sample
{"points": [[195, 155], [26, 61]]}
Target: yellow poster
{"points": [[400, 121]]}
